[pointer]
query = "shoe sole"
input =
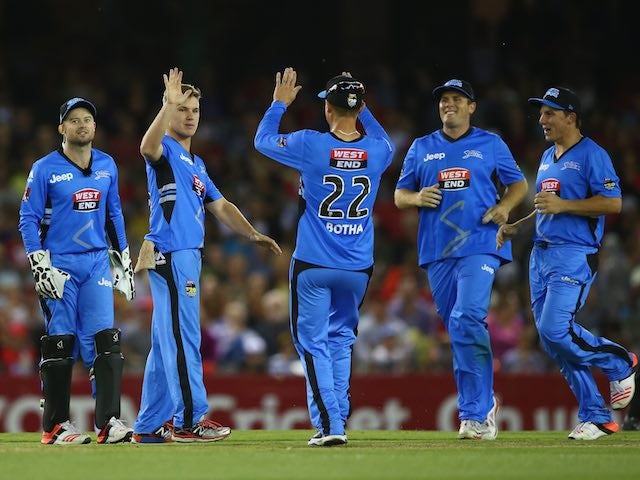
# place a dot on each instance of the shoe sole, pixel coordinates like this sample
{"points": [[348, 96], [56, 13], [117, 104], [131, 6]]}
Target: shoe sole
{"points": [[328, 441], [147, 440], [125, 439], [606, 429], [84, 442], [198, 439]]}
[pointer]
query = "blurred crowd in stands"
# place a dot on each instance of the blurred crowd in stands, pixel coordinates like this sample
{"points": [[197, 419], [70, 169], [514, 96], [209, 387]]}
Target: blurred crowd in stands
{"points": [[244, 291]]}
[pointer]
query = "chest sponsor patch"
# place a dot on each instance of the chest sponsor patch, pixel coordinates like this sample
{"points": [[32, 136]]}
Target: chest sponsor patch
{"points": [[454, 178], [550, 185], [198, 186], [348, 158], [86, 200]]}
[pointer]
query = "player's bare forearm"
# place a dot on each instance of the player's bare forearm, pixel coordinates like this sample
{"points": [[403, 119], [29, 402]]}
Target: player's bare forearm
{"points": [[515, 194], [549, 202], [232, 217], [404, 198], [151, 144], [499, 213], [429, 197], [507, 231]]}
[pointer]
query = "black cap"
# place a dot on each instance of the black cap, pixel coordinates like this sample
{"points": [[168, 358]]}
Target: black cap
{"points": [[343, 91], [559, 98], [461, 86], [76, 102]]}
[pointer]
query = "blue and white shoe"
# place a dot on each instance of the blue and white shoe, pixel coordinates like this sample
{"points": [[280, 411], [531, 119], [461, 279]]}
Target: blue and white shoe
{"points": [[320, 440]]}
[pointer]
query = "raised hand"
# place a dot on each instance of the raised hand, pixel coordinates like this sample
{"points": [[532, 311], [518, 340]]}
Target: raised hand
{"points": [[173, 87], [286, 89]]}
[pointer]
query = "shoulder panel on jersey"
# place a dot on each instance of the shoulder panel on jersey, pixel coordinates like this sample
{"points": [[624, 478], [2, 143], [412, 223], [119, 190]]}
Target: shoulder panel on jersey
{"points": [[46, 220], [166, 185]]}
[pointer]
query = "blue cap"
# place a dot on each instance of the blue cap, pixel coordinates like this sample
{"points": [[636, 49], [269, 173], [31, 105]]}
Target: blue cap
{"points": [[76, 102], [559, 98], [461, 86]]}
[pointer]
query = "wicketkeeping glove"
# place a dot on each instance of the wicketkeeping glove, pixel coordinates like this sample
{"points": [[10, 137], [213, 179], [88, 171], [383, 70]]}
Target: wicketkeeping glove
{"points": [[49, 279], [122, 272]]}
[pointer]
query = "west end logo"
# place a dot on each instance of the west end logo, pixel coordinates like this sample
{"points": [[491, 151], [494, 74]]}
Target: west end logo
{"points": [[348, 158]]}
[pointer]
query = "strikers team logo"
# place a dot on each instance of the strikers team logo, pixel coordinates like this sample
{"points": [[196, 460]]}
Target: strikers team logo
{"points": [[102, 174], [190, 288], [27, 193], [609, 184], [454, 178], [550, 185], [159, 258], [198, 186], [86, 200], [348, 158]]}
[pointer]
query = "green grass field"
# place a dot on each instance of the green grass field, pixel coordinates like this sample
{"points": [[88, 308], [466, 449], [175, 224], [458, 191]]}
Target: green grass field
{"points": [[284, 455]]}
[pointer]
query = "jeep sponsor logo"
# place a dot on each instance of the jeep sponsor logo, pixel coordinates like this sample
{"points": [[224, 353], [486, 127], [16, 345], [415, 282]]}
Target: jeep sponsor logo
{"points": [[65, 177], [86, 200], [487, 268], [454, 178], [348, 158], [434, 156], [550, 185]]}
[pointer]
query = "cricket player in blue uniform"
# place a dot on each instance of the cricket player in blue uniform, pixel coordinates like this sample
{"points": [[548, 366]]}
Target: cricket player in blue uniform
{"points": [[174, 401], [452, 176], [340, 173], [576, 187], [70, 219]]}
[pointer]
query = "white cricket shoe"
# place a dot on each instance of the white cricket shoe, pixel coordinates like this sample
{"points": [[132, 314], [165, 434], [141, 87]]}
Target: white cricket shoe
{"points": [[320, 440], [65, 433], [592, 430], [115, 431], [622, 390], [487, 430]]}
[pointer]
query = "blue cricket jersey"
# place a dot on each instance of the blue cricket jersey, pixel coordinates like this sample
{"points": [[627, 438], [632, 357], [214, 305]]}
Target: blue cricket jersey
{"points": [[582, 171], [67, 210], [339, 182], [179, 187], [467, 171]]}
